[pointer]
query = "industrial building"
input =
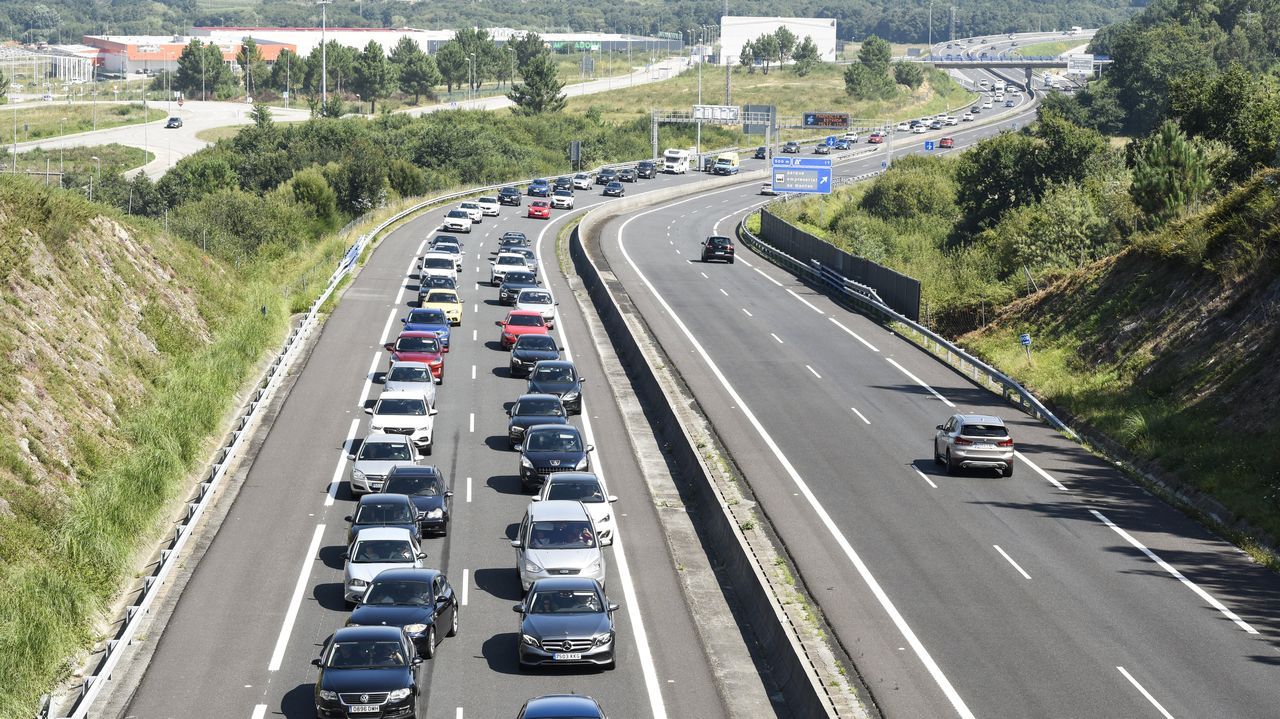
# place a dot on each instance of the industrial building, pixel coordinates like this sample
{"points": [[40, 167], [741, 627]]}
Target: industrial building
{"points": [[131, 54], [736, 31]]}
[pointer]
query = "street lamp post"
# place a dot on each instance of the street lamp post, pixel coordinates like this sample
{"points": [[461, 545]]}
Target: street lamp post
{"points": [[324, 53]]}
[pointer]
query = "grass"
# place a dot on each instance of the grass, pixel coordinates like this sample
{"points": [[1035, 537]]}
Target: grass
{"points": [[78, 160], [43, 120], [213, 134], [1053, 48]]}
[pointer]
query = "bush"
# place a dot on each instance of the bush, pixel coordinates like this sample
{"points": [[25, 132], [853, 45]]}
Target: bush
{"points": [[407, 180], [915, 186]]}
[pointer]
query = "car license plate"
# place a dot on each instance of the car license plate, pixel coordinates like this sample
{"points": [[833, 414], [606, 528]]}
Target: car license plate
{"points": [[566, 657], [364, 708], [984, 446]]}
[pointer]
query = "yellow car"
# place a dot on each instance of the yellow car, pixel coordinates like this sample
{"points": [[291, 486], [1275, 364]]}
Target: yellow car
{"points": [[446, 300]]}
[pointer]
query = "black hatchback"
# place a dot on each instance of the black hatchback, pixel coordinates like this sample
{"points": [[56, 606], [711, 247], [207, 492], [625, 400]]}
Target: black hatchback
{"points": [[560, 378], [627, 174], [717, 248], [367, 671], [512, 283], [614, 189], [529, 350], [509, 196], [761, 153], [647, 169], [383, 510], [606, 176], [426, 488]]}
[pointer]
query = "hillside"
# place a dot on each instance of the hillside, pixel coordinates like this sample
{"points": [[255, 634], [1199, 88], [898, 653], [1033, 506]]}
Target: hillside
{"points": [[1170, 347]]}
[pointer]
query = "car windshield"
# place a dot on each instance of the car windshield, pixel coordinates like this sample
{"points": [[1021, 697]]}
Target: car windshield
{"points": [[443, 297], [525, 320], [511, 260], [581, 176], [555, 373], [555, 441], [513, 236], [398, 592], [427, 317], [539, 343], [539, 407], [406, 406], [535, 298], [446, 247], [487, 200], [438, 263], [577, 490], [386, 451], [577, 601], [415, 486], [385, 513], [375, 551], [520, 278], [469, 206], [563, 193], [561, 535], [458, 214], [409, 374], [366, 655], [984, 430], [418, 344], [441, 281], [540, 204]]}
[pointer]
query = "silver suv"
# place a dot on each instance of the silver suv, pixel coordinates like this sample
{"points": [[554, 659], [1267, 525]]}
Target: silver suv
{"points": [[973, 440], [558, 538]]}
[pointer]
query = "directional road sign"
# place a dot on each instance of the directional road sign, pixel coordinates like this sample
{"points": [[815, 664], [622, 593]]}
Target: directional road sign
{"points": [[929, 145], [1025, 339], [784, 161], [802, 174], [830, 141]]}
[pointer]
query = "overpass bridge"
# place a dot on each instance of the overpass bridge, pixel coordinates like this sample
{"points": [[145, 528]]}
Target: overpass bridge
{"points": [[1076, 63]]}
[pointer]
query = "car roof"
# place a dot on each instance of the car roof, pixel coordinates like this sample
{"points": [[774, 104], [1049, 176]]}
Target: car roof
{"points": [[565, 583], [383, 533], [385, 437], [552, 428], [536, 395], [367, 633], [433, 253], [529, 289], [400, 394], [981, 419], [554, 362], [510, 254], [558, 477], [410, 574], [416, 470], [441, 290], [407, 363], [486, 199], [554, 510], [558, 705], [524, 313], [427, 310], [419, 333]]}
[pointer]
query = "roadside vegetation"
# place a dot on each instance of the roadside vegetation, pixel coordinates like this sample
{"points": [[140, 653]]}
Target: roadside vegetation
{"points": [[1052, 48], [37, 121], [77, 162]]}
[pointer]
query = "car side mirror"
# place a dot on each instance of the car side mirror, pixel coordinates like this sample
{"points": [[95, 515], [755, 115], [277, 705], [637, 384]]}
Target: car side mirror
{"points": [[497, 323], [938, 427], [368, 410], [515, 543], [581, 380], [518, 608], [416, 661], [422, 555], [432, 412], [351, 457], [448, 493], [613, 498], [390, 346], [404, 320], [316, 662], [591, 448], [560, 349], [347, 518], [613, 607]]}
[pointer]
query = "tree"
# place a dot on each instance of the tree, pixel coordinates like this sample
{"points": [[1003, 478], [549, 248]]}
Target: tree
{"points": [[526, 46], [766, 48], [1068, 152], [540, 91], [452, 61], [4, 87], [404, 51], [806, 56], [252, 67], [201, 71], [786, 43], [1170, 174], [419, 77], [375, 76], [875, 54], [287, 73], [406, 179], [747, 57], [476, 42], [910, 74], [996, 175]]}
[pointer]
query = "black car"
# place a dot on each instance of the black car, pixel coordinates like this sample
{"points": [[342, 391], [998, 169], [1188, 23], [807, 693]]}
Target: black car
{"points": [[606, 176], [435, 282], [529, 350], [627, 174], [383, 510], [512, 283], [791, 147], [447, 239], [566, 620], [562, 183], [367, 671], [509, 196], [419, 601], [717, 247], [550, 448], [560, 378], [429, 492], [762, 153], [555, 706], [174, 122], [513, 238], [531, 409], [614, 189], [647, 169]]}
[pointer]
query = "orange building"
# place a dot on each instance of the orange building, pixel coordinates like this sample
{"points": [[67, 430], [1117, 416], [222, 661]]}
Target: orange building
{"points": [[141, 54]]}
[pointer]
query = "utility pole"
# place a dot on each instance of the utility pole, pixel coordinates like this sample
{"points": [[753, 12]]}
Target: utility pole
{"points": [[728, 95], [701, 56], [324, 55], [930, 29]]}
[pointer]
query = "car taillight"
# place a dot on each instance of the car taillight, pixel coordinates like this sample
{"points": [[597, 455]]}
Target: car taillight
{"points": [[729, 248], [1006, 442], [963, 441]]}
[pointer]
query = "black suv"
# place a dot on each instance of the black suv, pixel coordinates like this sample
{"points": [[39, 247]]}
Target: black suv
{"points": [[627, 174], [563, 183], [717, 248], [647, 169], [509, 196], [606, 176], [559, 378], [761, 153]]}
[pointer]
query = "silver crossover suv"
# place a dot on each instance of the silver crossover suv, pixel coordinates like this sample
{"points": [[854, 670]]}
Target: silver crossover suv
{"points": [[973, 440]]}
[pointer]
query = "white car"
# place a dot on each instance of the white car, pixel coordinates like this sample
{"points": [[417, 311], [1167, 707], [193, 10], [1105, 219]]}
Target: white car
{"points": [[457, 221], [904, 127], [530, 258], [966, 117], [438, 263], [920, 129], [447, 248], [986, 105], [562, 200], [767, 189], [582, 181], [999, 97], [473, 210], [413, 377], [489, 206], [404, 413], [538, 300], [374, 550], [589, 489], [378, 454], [951, 120], [504, 263], [851, 136]]}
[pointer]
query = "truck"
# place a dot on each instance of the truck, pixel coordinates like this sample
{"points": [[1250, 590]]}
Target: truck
{"points": [[675, 161], [1075, 30], [726, 164]]}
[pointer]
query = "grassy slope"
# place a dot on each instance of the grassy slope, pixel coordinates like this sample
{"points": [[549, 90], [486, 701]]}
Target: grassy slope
{"points": [[1053, 48], [121, 351], [1170, 348], [79, 160], [37, 121]]}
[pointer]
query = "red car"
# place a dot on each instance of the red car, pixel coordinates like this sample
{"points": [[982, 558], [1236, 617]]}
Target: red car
{"points": [[540, 209], [520, 322], [419, 346], [947, 142], [875, 138]]}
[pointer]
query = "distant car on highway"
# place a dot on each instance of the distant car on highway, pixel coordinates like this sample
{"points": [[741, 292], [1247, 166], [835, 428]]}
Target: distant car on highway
{"points": [[517, 323], [490, 205], [646, 169], [429, 319], [419, 347], [876, 138], [560, 378], [536, 299], [791, 147], [374, 550], [614, 189], [717, 247], [606, 176], [448, 302], [562, 183], [967, 117], [513, 238], [529, 350], [419, 601], [509, 196], [368, 661], [506, 262], [556, 536], [473, 210], [947, 143], [767, 189], [539, 188], [1009, 103], [589, 489], [406, 413], [582, 181], [561, 705], [972, 440], [920, 129], [950, 120], [822, 148], [566, 621], [540, 210], [533, 409], [426, 487], [513, 283], [762, 153], [562, 200], [433, 282], [174, 122], [904, 127], [407, 376], [378, 454], [986, 104], [457, 221]]}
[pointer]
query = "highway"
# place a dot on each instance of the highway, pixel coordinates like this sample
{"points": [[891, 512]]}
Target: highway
{"points": [[1062, 591]]}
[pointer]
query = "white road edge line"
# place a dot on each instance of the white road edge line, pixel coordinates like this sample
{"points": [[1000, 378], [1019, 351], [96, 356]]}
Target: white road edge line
{"points": [[861, 416], [1010, 561], [920, 382], [814, 371], [1039, 471], [925, 477], [806, 302], [332, 494], [767, 277], [647, 668], [854, 334], [466, 587], [290, 616], [259, 711], [386, 329], [1163, 712], [1177, 575], [865, 572], [777, 338], [368, 381]]}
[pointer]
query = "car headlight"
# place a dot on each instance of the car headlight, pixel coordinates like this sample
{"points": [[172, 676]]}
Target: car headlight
{"points": [[569, 396], [524, 462], [603, 639], [581, 465], [415, 628], [606, 518], [328, 696], [436, 513], [357, 582], [529, 639], [531, 568], [357, 475], [399, 695]]}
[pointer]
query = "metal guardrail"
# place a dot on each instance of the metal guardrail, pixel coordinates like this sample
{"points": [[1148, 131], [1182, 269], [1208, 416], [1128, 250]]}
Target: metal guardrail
{"points": [[962, 361]]}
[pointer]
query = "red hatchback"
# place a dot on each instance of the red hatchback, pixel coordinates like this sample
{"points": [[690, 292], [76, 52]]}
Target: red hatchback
{"points": [[876, 138], [518, 323], [947, 143], [540, 210], [417, 346]]}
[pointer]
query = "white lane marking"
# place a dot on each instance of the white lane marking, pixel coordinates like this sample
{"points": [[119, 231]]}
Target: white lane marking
{"points": [[767, 277], [632, 604], [854, 335], [677, 252], [744, 261], [777, 338], [468, 489], [814, 371], [860, 415], [368, 380], [403, 283], [386, 329], [459, 714], [473, 421], [1178, 575], [259, 711], [863, 570], [806, 302], [1163, 712], [473, 371], [925, 477], [704, 275], [1039, 471], [726, 294], [290, 616], [1010, 560], [475, 307], [473, 335], [332, 494], [466, 586], [421, 246], [744, 309], [919, 381]]}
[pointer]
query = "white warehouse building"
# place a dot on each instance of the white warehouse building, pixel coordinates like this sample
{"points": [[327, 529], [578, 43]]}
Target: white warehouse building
{"points": [[736, 30]]}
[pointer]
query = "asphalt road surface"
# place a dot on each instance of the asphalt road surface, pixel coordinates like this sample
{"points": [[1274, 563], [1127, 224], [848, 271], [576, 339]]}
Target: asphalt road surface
{"points": [[1062, 591]]}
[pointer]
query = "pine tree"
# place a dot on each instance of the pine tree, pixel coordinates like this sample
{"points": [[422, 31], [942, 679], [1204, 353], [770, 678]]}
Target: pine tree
{"points": [[540, 91], [1170, 175], [374, 75]]}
